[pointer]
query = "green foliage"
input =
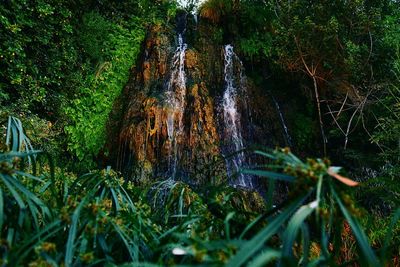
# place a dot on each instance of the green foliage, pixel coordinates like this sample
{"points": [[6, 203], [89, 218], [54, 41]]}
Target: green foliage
{"points": [[64, 63], [118, 47], [303, 131], [387, 131], [332, 37], [55, 53], [388, 128], [99, 218], [255, 39], [382, 189], [94, 33], [37, 53], [64, 219], [256, 45], [315, 180]]}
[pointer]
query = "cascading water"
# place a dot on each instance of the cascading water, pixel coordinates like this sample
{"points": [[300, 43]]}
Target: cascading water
{"points": [[283, 122], [176, 102], [232, 125], [175, 124]]}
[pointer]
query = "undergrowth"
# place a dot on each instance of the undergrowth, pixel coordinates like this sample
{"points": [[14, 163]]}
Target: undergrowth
{"points": [[49, 217]]}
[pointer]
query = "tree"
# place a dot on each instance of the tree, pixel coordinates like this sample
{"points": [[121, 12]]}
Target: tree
{"points": [[333, 43]]}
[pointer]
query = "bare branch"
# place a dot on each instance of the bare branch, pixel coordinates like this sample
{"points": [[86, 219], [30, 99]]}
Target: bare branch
{"points": [[335, 120]]}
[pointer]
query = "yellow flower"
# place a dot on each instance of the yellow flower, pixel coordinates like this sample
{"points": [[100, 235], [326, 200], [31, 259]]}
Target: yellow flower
{"points": [[48, 247], [87, 257]]}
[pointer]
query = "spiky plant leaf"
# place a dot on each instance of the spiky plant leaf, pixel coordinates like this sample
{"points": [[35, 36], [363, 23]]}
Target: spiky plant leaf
{"points": [[258, 241], [359, 234], [264, 258], [271, 175], [294, 225]]}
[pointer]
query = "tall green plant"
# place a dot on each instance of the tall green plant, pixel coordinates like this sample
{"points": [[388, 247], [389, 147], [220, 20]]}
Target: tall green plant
{"points": [[21, 210], [98, 219], [318, 198]]}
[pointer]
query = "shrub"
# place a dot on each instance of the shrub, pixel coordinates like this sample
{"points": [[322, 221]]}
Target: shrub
{"points": [[88, 113], [100, 219]]}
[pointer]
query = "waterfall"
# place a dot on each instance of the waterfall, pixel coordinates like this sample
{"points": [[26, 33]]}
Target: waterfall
{"points": [[288, 139], [184, 108], [176, 102], [232, 119]]}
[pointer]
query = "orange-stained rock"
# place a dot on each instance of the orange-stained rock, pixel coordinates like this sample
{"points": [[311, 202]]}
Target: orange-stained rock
{"points": [[146, 71], [190, 59], [144, 149], [149, 43], [143, 140]]}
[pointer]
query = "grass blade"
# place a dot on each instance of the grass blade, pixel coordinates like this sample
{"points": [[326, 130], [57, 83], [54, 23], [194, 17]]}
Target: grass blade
{"points": [[306, 244], [1, 210], [129, 244], [28, 245], [8, 135], [271, 175], [270, 194], [265, 154], [69, 252], [13, 192], [359, 234], [257, 242], [293, 227], [264, 258], [389, 234], [116, 201], [249, 226], [31, 197]]}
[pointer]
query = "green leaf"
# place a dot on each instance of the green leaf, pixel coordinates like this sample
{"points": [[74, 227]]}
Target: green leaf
{"points": [[264, 258], [270, 194], [1, 209], [130, 245], [250, 225], [69, 251], [268, 174], [257, 242], [359, 234], [306, 244], [389, 234], [17, 197], [227, 226], [28, 245], [293, 227], [265, 154], [31, 197]]}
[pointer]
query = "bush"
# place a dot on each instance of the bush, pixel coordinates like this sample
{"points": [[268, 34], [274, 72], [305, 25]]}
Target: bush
{"points": [[99, 218], [115, 48]]}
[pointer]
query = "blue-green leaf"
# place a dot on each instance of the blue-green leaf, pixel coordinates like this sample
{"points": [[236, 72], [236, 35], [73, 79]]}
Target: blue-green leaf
{"points": [[271, 175]]}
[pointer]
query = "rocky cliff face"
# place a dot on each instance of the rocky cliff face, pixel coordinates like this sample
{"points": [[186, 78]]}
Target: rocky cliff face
{"points": [[168, 121]]}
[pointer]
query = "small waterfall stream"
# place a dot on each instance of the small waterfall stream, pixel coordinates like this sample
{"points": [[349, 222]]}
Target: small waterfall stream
{"points": [[288, 139], [232, 118], [175, 102]]}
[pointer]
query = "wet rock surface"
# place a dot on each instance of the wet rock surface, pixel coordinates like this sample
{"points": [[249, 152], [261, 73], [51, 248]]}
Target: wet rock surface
{"points": [[143, 146]]}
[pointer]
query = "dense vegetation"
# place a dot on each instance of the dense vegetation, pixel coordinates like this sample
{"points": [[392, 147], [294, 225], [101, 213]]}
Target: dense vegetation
{"points": [[336, 63]]}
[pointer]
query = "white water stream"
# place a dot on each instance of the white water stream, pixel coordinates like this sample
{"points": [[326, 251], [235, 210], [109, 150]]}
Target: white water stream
{"points": [[176, 102], [232, 125]]}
